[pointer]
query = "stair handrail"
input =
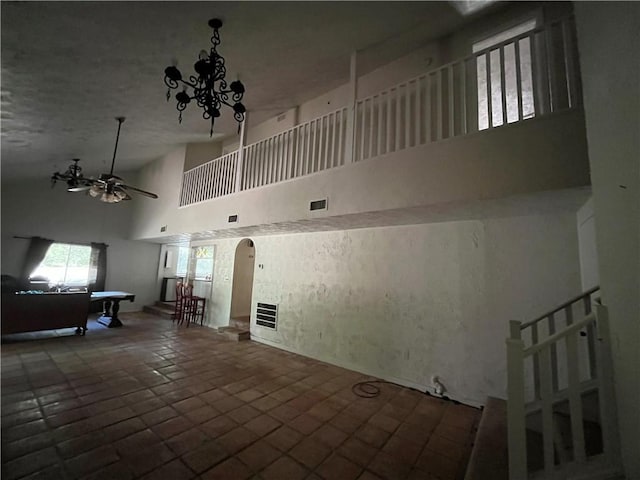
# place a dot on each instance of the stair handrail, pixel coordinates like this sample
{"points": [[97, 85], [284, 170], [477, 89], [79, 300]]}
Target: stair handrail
{"points": [[582, 296]]}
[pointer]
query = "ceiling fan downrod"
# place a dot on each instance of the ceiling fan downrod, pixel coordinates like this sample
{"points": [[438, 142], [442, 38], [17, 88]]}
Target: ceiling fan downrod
{"points": [[115, 149]]}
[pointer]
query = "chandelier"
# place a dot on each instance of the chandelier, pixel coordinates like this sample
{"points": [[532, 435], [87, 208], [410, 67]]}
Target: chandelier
{"points": [[208, 87]]}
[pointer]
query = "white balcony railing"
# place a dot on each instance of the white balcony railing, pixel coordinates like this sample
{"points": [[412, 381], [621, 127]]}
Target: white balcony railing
{"points": [[530, 75], [561, 407]]}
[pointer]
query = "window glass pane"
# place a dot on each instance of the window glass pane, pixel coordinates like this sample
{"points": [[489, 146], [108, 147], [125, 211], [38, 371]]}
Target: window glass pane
{"points": [[204, 267], [65, 265], [490, 96], [183, 262]]}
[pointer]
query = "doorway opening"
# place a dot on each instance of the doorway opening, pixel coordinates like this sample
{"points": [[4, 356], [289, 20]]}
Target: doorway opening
{"points": [[242, 284]]}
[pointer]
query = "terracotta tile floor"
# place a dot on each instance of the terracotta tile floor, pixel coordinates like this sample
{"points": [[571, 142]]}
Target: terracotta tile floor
{"points": [[155, 401]]}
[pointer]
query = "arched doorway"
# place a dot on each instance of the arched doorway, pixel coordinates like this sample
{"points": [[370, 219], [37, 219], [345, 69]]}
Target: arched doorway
{"points": [[242, 284]]}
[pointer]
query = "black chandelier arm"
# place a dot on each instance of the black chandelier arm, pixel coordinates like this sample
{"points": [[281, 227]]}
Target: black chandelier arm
{"points": [[209, 87]]}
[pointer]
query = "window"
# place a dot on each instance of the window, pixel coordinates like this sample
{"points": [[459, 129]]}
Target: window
{"points": [[183, 262], [490, 62], [203, 267], [66, 264]]}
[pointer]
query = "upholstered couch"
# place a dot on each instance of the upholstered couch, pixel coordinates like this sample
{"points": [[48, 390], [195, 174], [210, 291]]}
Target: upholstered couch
{"points": [[30, 312]]}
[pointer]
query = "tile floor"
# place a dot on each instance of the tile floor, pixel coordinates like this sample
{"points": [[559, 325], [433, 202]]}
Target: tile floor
{"points": [[155, 401]]}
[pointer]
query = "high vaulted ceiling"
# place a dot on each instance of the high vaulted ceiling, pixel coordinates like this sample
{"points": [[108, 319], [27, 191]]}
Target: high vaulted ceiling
{"points": [[69, 68]]}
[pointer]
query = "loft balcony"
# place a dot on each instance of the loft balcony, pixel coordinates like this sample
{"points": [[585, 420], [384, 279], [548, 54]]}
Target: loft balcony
{"points": [[504, 122]]}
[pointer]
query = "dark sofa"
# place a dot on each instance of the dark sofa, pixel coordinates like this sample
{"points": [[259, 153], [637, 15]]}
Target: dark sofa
{"points": [[30, 312]]}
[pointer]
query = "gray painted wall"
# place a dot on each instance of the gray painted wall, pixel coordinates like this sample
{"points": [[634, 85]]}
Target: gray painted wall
{"points": [[34, 209], [406, 303]]}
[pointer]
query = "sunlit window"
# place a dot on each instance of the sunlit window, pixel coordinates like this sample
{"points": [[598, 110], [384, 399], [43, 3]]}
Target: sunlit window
{"points": [[489, 70], [203, 263], [183, 262], [65, 264]]}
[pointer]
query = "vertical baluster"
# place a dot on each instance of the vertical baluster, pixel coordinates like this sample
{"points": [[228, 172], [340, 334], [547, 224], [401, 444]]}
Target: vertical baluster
{"points": [[381, 103], [439, 99], [251, 180], [407, 115], [575, 399], [428, 120], [225, 176], [338, 137], [320, 143], [569, 64], [591, 339], [418, 111], [389, 120], [363, 128], [536, 362], [325, 136], [554, 353], [489, 98], [268, 164], [306, 134], [289, 148], [246, 169], [272, 163], [535, 87], [262, 150], [335, 132], [516, 47], [281, 156], [546, 394], [398, 124], [463, 97], [372, 118], [256, 165], [551, 70], [503, 87], [450, 93], [219, 165], [185, 189], [229, 174], [297, 153], [209, 175], [324, 143]]}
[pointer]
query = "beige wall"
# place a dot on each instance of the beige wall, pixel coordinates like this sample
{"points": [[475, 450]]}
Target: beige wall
{"points": [[32, 208], [546, 153], [199, 153], [406, 303], [609, 42]]}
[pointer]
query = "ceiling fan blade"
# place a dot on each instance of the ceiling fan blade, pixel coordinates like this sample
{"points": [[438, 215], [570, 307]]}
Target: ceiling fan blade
{"points": [[79, 189], [137, 190]]}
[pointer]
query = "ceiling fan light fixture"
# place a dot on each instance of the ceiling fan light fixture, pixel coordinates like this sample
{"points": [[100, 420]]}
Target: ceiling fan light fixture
{"points": [[107, 188]]}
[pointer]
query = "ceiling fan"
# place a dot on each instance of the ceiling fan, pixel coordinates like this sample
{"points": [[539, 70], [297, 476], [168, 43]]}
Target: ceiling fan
{"points": [[107, 187], [72, 176]]}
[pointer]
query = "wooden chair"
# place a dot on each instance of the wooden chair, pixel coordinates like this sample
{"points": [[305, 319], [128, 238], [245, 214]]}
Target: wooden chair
{"points": [[178, 312], [194, 306]]}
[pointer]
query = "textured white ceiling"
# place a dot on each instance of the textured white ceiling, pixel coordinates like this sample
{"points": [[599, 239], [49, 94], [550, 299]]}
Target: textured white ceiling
{"points": [[69, 68]]}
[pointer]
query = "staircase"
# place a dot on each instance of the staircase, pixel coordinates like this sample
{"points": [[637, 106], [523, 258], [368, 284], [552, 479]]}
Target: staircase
{"points": [[561, 414], [238, 329], [161, 309]]}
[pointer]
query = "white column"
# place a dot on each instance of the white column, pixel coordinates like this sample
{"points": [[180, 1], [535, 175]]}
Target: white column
{"points": [[240, 160]]}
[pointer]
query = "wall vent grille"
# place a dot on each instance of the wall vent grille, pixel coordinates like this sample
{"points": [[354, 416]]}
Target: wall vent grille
{"points": [[318, 205], [233, 218], [267, 315]]}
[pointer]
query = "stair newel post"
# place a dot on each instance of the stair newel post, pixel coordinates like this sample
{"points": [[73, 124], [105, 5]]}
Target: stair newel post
{"points": [[608, 407], [515, 403]]}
